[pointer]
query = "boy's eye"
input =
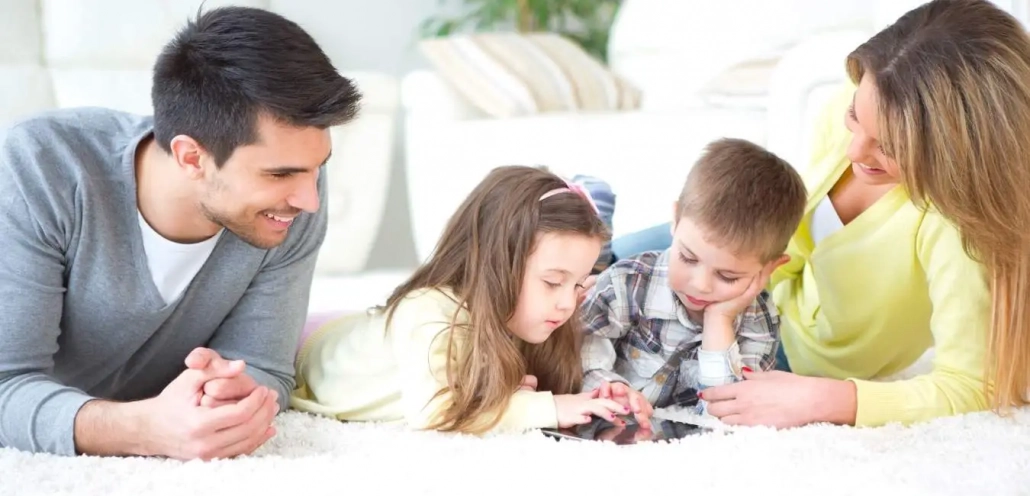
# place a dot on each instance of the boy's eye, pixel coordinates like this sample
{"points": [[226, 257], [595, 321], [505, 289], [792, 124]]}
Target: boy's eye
{"points": [[729, 278], [281, 175], [684, 259]]}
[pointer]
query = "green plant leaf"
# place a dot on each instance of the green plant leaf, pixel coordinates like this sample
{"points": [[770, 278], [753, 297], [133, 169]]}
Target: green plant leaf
{"points": [[591, 19]]}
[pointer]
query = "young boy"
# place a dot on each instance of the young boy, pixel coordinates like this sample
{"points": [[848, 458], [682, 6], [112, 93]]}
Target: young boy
{"points": [[670, 323]]}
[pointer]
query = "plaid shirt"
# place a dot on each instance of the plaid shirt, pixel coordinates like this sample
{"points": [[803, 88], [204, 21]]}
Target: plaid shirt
{"points": [[638, 332]]}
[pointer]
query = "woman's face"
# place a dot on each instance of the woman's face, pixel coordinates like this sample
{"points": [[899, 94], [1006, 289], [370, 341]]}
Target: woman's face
{"points": [[868, 161]]}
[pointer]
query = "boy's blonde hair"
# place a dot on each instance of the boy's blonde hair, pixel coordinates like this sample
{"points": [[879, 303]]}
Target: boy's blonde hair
{"points": [[747, 198]]}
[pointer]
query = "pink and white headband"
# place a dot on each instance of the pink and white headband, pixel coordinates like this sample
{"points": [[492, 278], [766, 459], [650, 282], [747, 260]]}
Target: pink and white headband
{"points": [[572, 188]]}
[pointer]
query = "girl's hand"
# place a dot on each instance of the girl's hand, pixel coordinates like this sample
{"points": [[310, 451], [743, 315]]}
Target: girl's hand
{"points": [[629, 397], [576, 409], [529, 383]]}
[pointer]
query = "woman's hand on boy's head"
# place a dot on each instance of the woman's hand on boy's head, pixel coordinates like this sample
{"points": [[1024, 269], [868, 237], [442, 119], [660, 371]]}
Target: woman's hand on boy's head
{"points": [[729, 309]]}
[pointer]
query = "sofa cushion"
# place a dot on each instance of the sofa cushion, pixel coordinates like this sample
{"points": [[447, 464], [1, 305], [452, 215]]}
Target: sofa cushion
{"points": [[513, 74]]}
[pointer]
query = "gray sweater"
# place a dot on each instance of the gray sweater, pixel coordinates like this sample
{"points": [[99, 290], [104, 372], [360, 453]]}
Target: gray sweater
{"points": [[80, 315]]}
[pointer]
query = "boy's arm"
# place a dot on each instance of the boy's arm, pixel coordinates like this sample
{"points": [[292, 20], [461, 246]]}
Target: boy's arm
{"points": [[605, 315], [725, 351]]}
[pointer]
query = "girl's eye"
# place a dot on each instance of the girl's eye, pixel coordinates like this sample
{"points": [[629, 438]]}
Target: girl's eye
{"points": [[552, 284], [851, 112]]}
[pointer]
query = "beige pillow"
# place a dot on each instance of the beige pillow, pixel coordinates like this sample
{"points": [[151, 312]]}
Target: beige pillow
{"points": [[513, 74]]}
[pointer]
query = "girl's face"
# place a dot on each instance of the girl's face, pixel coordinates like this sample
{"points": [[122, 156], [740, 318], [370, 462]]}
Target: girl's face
{"points": [[555, 272], [868, 161]]}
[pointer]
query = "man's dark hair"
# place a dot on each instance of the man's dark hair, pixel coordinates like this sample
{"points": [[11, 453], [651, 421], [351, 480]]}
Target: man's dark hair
{"points": [[232, 64]]}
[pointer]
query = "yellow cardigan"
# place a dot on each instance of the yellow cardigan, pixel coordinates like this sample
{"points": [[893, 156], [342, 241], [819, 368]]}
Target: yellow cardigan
{"points": [[352, 368], [873, 296]]}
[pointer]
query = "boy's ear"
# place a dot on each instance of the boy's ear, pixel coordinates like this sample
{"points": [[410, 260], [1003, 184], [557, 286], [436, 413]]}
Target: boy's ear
{"points": [[780, 261]]}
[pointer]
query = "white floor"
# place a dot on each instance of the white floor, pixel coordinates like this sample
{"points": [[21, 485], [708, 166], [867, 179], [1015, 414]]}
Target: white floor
{"points": [[978, 454]]}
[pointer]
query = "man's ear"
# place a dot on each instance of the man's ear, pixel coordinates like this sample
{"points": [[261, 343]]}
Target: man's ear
{"points": [[188, 155]]}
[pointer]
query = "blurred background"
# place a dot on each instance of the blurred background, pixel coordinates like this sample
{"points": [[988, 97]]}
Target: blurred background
{"points": [[628, 91]]}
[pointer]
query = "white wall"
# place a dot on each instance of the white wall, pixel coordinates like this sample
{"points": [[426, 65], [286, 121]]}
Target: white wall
{"points": [[381, 36]]}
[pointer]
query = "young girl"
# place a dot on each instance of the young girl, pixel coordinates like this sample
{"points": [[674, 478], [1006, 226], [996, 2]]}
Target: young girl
{"points": [[485, 335]]}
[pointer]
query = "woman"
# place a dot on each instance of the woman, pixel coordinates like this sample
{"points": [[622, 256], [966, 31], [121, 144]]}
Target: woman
{"points": [[915, 235]]}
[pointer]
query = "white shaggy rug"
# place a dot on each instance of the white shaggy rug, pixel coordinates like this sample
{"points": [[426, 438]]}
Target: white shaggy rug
{"points": [[968, 455]]}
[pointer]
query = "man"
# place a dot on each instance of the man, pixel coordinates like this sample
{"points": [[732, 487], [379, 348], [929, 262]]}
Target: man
{"points": [[155, 271]]}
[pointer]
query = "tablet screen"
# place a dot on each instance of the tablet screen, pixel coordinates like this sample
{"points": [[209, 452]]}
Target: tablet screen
{"points": [[631, 433]]}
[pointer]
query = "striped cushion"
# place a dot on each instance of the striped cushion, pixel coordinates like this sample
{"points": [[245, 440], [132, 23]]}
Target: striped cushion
{"points": [[512, 74]]}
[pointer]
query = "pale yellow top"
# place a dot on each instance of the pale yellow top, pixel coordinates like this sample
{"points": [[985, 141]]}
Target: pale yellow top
{"points": [[871, 297], [353, 369]]}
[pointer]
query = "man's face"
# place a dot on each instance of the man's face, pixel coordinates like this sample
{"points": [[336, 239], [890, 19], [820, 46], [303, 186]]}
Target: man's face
{"points": [[262, 187]]}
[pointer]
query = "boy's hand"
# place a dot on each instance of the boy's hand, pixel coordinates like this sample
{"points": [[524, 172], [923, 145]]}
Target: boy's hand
{"points": [[529, 383], [588, 284], [729, 309], [628, 397]]}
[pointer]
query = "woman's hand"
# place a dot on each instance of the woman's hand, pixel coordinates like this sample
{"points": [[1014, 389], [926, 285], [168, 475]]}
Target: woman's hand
{"points": [[781, 399], [576, 409]]}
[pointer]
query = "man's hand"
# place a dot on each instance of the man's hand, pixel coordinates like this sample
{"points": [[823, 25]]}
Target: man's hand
{"points": [[179, 427], [175, 425], [232, 383], [628, 397]]}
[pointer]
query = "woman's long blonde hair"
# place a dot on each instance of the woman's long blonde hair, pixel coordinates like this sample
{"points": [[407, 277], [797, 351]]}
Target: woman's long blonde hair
{"points": [[953, 88], [481, 257]]}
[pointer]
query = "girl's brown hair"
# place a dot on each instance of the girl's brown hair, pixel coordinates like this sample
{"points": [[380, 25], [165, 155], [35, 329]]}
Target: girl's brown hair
{"points": [[481, 257], [953, 88]]}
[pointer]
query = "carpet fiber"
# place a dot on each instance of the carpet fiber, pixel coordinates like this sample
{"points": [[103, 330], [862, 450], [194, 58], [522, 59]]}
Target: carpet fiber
{"points": [[973, 454]]}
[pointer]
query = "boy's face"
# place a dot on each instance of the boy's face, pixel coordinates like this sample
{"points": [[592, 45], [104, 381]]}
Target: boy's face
{"points": [[702, 273]]}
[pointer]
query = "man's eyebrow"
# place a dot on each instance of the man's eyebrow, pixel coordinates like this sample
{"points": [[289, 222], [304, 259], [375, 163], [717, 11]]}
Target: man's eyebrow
{"points": [[290, 169]]}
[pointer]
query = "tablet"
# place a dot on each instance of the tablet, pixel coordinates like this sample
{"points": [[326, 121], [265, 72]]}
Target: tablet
{"points": [[631, 433]]}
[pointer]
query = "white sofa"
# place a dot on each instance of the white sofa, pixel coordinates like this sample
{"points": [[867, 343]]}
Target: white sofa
{"points": [[644, 154], [66, 53]]}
